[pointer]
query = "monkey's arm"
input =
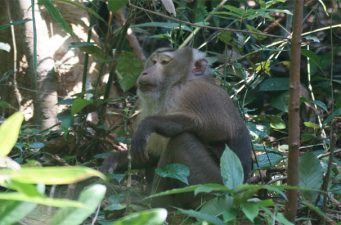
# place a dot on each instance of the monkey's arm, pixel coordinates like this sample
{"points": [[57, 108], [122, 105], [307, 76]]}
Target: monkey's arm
{"points": [[168, 126]]}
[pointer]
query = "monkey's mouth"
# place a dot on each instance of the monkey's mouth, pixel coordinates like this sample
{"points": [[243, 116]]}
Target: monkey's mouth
{"points": [[146, 87]]}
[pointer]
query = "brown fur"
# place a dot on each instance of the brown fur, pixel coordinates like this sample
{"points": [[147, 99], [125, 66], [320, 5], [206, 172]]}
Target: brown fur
{"points": [[186, 118]]}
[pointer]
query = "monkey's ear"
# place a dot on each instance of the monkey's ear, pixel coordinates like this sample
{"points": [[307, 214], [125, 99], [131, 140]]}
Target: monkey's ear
{"points": [[200, 67]]}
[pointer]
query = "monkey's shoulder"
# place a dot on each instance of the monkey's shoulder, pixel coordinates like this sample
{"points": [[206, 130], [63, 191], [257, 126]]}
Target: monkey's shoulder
{"points": [[202, 91]]}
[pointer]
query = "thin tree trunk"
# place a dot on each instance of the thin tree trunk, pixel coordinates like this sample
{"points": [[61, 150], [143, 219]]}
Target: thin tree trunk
{"points": [[294, 107], [43, 74]]}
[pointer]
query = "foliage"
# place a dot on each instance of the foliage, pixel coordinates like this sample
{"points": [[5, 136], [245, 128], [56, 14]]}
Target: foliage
{"points": [[247, 44], [25, 195]]}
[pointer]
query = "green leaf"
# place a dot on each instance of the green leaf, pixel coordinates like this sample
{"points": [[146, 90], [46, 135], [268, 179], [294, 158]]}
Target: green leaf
{"points": [[128, 69], [336, 189], [116, 202], [218, 205], [230, 214], [315, 59], [147, 217], [4, 104], [257, 34], [199, 188], [336, 113], [202, 216], [225, 37], [66, 120], [321, 104], [55, 14], [176, 171], [14, 23], [16, 196], [50, 175], [208, 188], [311, 125], [258, 130], [310, 174], [79, 104], [280, 101], [274, 84], [268, 160], [276, 122], [27, 189], [264, 67], [231, 169], [281, 218], [82, 6], [172, 26], [115, 5], [250, 210], [9, 132], [91, 197], [13, 211], [95, 51]]}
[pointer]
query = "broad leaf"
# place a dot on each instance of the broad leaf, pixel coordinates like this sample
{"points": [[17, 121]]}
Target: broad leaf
{"points": [[55, 14], [250, 210], [50, 175], [148, 217], [274, 84], [9, 132], [16, 196], [79, 104], [128, 69], [311, 125], [65, 119], [91, 197], [337, 112], [95, 51], [169, 6], [310, 174], [267, 160], [176, 171], [218, 205], [13, 211], [231, 169], [280, 102], [115, 5], [202, 216]]}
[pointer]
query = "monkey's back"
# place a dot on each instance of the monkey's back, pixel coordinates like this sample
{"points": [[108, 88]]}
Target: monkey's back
{"points": [[216, 118]]}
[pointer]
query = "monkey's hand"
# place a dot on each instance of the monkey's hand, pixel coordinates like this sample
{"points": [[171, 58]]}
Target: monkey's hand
{"points": [[138, 145], [109, 164]]}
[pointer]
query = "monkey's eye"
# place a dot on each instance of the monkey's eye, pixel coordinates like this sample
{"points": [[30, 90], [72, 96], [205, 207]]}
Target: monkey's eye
{"points": [[164, 62], [154, 61]]}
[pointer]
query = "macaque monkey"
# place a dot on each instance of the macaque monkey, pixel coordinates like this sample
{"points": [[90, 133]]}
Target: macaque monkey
{"points": [[185, 118]]}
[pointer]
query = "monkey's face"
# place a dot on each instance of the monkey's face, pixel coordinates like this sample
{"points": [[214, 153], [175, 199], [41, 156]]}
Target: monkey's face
{"points": [[153, 76], [167, 68]]}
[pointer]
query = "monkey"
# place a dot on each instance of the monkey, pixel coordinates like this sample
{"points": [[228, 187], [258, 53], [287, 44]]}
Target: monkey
{"points": [[185, 118]]}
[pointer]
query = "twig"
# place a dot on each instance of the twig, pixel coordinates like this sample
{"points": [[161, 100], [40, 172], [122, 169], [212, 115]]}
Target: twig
{"points": [[96, 215], [15, 60], [197, 29], [332, 131], [133, 42], [205, 26], [294, 117]]}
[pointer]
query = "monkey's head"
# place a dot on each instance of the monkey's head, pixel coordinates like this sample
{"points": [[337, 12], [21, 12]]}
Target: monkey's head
{"points": [[167, 68]]}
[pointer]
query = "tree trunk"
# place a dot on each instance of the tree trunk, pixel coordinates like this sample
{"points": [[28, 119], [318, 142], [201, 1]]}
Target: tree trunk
{"points": [[43, 74]]}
